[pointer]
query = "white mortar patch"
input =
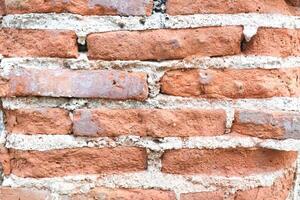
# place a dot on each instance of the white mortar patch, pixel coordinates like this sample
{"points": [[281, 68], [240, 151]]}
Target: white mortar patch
{"points": [[51, 142], [82, 62], [84, 25]]}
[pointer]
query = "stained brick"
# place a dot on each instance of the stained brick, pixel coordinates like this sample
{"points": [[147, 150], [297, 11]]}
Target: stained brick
{"points": [[267, 124], [83, 7], [183, 7], [108, 84]]}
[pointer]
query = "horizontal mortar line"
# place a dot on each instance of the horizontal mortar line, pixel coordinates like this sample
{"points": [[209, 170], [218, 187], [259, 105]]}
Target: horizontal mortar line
{"points": [[56, 142], [159, 102], [84, 25], [146, 180], [82, 62]]}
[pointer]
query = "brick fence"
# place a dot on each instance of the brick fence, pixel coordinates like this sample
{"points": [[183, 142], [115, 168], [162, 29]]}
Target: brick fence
{"points": [[149, 99]]}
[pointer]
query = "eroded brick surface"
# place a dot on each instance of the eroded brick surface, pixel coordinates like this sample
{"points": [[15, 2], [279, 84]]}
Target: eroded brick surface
{"points": [[165, 44], [232, 83], [148, 122], [38, 121], [38, 43], [183, 7], [107, 84], [83, 7], [264, 124], [39, 164], [228, 162]]}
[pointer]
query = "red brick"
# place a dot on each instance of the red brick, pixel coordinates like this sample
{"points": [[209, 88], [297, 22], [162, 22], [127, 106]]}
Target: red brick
{"points": [[148, 122], [2, 7], [165, 44], [83, 7], [280, 190], [22, 194], [228, 162], [203, 196], [38, 43], [39, 164], [38, 121], [274, 42], [108, 84], [264, 124], [4, 161], [184, 7], [126, 194], [232, 83], [294, 2]]}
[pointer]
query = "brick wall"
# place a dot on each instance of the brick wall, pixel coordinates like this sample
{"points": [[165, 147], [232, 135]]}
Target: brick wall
{"points": [[150, 99]]}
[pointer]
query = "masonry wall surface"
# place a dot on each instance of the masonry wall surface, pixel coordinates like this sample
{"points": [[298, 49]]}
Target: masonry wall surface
{"points": [[150, 99]]}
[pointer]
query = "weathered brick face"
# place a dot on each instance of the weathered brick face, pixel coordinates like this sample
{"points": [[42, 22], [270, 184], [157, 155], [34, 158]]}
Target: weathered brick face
{"points": [[149, 99], [165, 44], [83, 7]]}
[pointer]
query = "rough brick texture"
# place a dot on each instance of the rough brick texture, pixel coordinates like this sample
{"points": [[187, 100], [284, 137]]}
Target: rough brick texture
{"points": [[232, 83], [77, 161], [264, 124], [165, 44], [2, 8], [155, 123], [7, 193], [38, 43], [83, 7], [149, 99], [203, 195], [294, 2], [279, 191], [228, 162], [4, 161], [38, 121], [183, 7], [108, 84], [274, 42], [105, 193]]}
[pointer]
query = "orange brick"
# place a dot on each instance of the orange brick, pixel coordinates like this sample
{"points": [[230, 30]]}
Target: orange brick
{"points": [[40, 164], [232, 83], [228, 162], [184, 7], [38, 121], [126, 194], [274, 42], [38, 43], [165, 44], [83, 7], [148, 122]]}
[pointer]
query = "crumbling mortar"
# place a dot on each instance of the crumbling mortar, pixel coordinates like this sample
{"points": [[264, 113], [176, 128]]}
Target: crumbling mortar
{"points": [[83, 25], [82, 63], [54, 142], [146, 180]]}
